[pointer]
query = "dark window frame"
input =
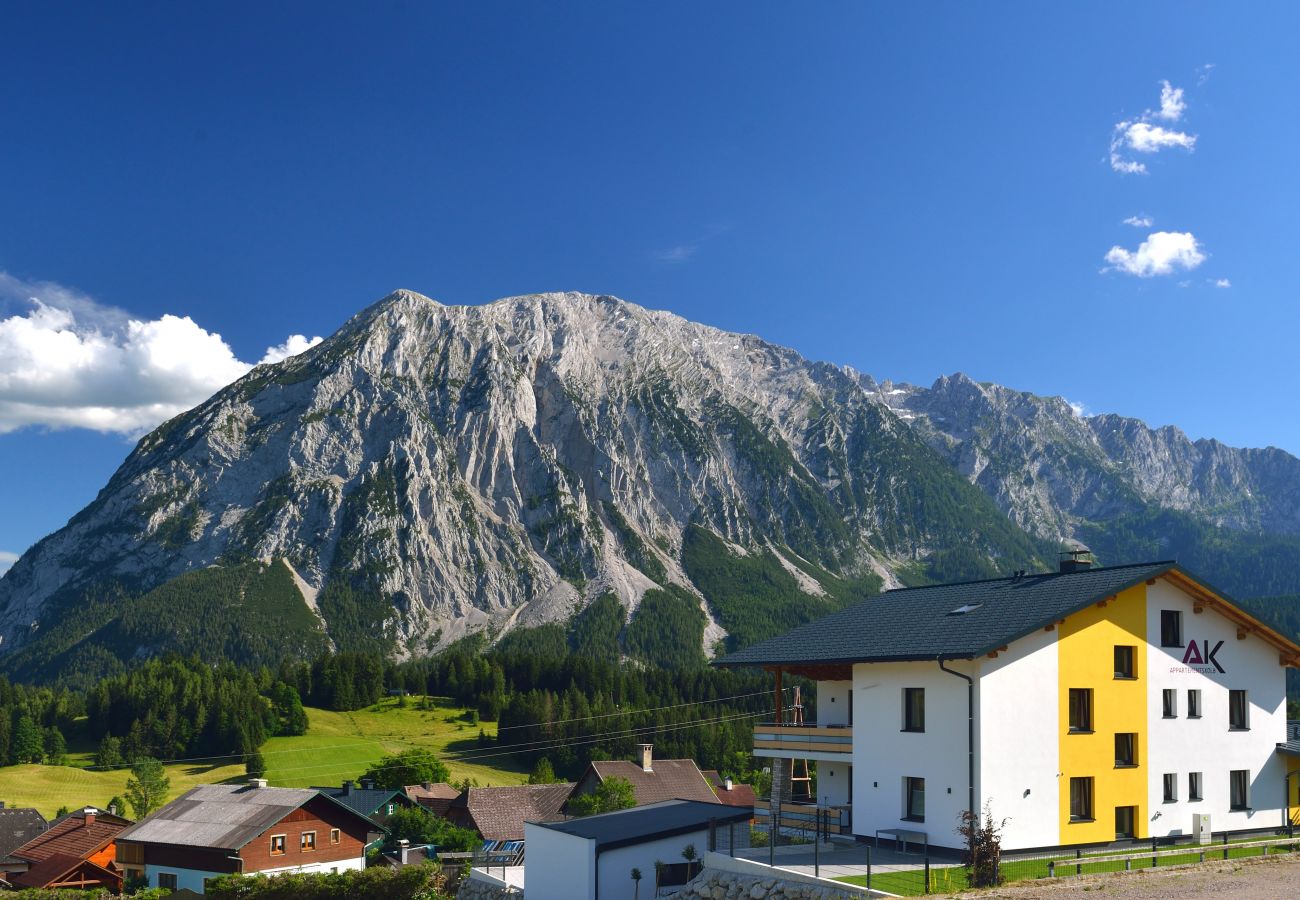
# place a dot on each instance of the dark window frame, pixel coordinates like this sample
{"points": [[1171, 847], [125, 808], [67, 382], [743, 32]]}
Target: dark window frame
{"points": [[912, 786], [1131, 813], [1171, 787], [1080, 711], [911, 712], [169, 878], [1238, 711], [1125, 662], [284, 844], [1171, 628], [1169, 703], [1194, 790], [1193, 703], [1129, 759], [1239, 790], [1081, 799]]}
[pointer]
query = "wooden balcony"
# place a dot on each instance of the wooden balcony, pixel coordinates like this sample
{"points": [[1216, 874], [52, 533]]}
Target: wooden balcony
{"points": [[828, 742]]}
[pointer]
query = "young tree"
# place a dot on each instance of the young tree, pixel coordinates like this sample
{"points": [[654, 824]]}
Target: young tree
{"points": [[636, 884], [408, 767], [543, 773], [56, 748], [612, 794], [147, 786], [983, 847], [28, 745], [116, 806], [255, 764], [109, 754]]}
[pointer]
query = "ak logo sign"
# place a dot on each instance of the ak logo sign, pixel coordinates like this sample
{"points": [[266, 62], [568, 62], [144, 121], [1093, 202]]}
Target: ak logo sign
{"points": [[1201, 658]]}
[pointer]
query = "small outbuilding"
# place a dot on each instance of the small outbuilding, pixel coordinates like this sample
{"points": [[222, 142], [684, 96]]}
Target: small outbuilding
{"points": [[594, 856]]}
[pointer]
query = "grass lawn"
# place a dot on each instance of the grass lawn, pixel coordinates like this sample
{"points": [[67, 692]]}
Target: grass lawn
{"points": [[949, 879], [337, 746]]}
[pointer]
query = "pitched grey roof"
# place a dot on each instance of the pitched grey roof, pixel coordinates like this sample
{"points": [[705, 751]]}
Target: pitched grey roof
{"points": [[226, 816], [668, 779], [646, 823], [921, 623], [17, 827], [367, 801]]}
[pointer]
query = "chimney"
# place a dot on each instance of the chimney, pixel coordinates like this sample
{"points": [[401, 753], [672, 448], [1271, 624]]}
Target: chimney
{"points": [[647, 755], [256, 783], [1077, 558], [89, 814], [347, 787], [403, 850], [367, 784], [726, 783]]}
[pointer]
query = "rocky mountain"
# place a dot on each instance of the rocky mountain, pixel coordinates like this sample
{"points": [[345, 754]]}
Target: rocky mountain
{"points": [[433, 470]]}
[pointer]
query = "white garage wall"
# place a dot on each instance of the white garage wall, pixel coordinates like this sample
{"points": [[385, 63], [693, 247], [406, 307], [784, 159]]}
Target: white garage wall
{"points": [[560, 866]]}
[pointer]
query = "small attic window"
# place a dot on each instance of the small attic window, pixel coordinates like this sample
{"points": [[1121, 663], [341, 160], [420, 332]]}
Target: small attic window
{"points": [[965, 608]]}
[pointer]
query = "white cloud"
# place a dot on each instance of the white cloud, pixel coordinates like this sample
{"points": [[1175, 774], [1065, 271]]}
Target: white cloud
{"points": [[7, 560], [1222, 283], [1203, 73], [1171, 102], [1139, 221], [293, 345], [679, 254], [67, 362], [1079, 410], [1161, 253], [1140, 135]]}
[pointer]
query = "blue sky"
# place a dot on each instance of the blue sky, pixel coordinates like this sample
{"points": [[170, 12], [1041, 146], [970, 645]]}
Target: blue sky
{"points": [[912, 189]]}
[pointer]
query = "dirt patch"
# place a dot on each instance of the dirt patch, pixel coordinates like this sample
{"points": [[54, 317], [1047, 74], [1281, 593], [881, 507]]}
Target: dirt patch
{"points": [[1241, 879]]}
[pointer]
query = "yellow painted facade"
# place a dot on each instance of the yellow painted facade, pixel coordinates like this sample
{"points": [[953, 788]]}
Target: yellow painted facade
{"points": [[1086, 659], [1293, 787]]}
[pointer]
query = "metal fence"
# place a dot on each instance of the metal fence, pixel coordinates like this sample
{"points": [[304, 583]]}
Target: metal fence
{"points": [[886, 868]]}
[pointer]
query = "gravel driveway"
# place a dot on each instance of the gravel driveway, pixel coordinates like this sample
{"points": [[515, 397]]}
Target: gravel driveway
{"points": [[1255, 879]]}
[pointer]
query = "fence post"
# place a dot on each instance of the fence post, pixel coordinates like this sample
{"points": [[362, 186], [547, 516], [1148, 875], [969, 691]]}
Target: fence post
{"points": [[927, 874], [1051, 868], [817, 844], [713, 835], [868, 846], [1155, 860], [731, 839], [1225, 845], [1128, 865], [1078, 866]]}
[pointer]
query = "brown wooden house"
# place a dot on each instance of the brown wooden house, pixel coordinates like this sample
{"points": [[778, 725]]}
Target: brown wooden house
{"points": [[219, 829]]}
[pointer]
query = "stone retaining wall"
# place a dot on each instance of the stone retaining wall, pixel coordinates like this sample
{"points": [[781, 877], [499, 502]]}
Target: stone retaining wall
{"points": [[481, 889], [712, 884]]}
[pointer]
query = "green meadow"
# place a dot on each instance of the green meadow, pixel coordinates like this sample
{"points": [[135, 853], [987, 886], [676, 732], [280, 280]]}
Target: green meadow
{"points": [[337, 746]]}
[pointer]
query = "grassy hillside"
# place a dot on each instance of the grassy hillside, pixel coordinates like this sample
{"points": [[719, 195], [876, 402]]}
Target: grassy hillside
{"points": [[337, 746]]}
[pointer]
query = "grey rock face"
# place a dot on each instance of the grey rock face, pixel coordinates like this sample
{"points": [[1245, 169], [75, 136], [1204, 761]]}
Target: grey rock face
{"points": [[1049, 468]]}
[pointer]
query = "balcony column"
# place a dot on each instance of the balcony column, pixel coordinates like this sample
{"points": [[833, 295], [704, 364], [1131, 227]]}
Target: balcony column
{"points": [[779, 698], [782, 770]]}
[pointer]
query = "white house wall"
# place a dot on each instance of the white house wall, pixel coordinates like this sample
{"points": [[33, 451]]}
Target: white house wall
{"points": [[833, 702], [615, 866], [1016, 728], [1182, 745], [561, 866], [884, 754]]}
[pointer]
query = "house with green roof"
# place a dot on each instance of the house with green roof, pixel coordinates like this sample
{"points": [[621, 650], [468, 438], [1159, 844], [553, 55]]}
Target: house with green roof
{"points": [[1085, 706]]}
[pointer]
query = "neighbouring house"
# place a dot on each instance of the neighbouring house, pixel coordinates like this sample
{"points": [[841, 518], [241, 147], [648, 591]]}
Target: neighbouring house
{"points": [[220, 829], [377, 804], [1290, 749], [1084, 706], [436, 797], [17, 827], [652, 779], [499, 813], [76, 851], [593, 857], [729, 792]]}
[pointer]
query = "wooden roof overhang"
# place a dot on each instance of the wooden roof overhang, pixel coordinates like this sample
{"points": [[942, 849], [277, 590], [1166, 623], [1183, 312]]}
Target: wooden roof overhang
{"points": [[1205, 597]]}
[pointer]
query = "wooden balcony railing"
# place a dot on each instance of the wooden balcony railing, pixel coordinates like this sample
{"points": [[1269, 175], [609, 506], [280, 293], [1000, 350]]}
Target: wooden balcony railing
{"points": [[795, 739]]}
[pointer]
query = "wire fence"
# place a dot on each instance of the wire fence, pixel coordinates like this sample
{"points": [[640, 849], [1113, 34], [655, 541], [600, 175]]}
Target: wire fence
{"points": [[912, 869]]}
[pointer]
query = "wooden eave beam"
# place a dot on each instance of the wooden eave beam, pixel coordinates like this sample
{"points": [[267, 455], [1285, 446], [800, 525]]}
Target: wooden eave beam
{"points": [[1242, 619]]}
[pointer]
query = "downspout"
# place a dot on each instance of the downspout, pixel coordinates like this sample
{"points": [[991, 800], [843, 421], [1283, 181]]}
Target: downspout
{"points": [[970, 736]]}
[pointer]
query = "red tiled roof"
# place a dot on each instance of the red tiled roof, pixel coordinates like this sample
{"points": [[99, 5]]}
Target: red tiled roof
{"points": [[71, 836], [669, 779], [499, 813], [739, 795]]}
